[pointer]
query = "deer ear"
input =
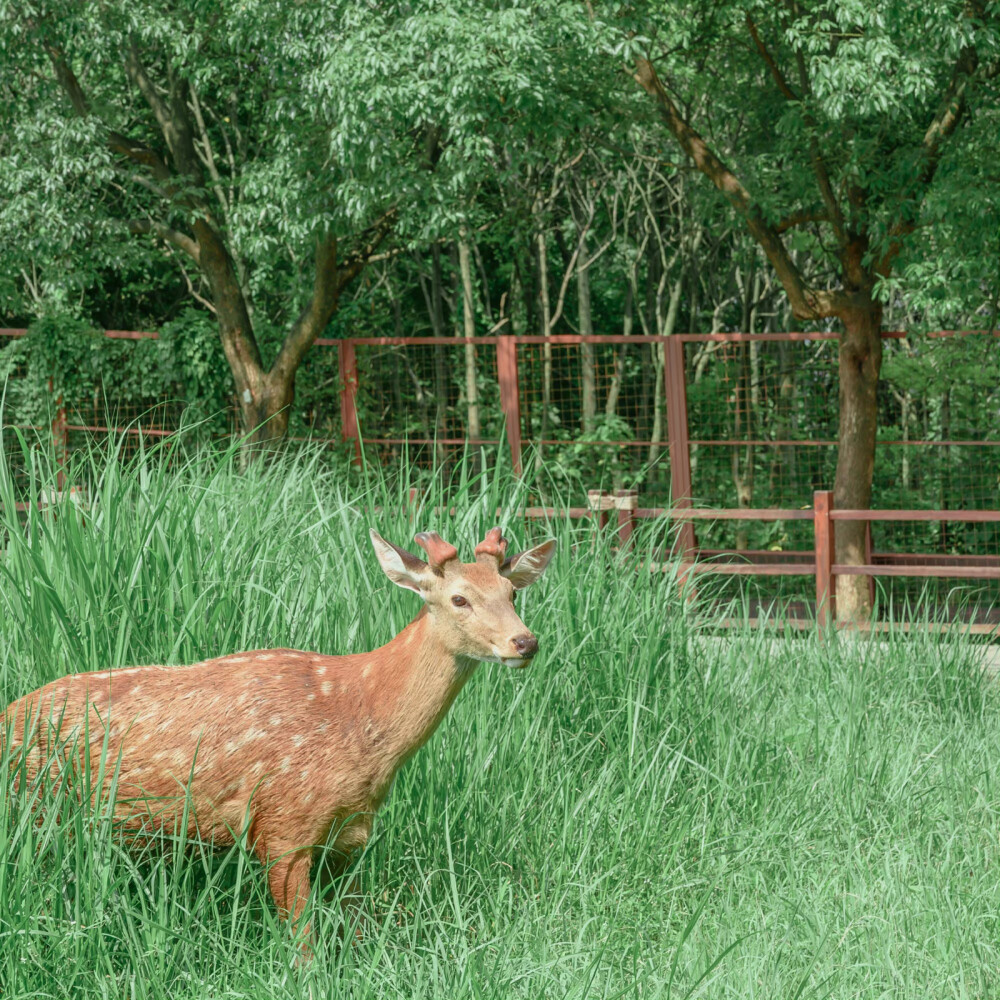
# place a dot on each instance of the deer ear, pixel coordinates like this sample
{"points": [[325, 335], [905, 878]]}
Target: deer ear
{"points": [[402, 567], [526, 567]]}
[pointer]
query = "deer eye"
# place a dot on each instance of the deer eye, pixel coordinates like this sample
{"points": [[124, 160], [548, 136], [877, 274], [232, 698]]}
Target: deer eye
{"points": [[459, 601]]}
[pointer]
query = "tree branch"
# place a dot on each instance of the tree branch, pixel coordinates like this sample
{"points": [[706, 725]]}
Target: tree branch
{"points": [[182, 241], [836, 217], [779, 77], [370, 239], [949, 112], [329, 281], [67, 79], [801, 219], [806, 302], [170, 116], [132, 149], [947, 117]]}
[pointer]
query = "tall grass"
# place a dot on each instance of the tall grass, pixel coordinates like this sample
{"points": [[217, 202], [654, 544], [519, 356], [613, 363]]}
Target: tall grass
{"points": [[650, 810]]}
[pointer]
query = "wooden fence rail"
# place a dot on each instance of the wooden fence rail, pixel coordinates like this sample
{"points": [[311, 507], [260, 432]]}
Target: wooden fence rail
{"points": [[818, 563], [620, 510]]}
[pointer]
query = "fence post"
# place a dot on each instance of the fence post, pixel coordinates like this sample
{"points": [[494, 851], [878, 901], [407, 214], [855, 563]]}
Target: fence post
{"points": [[626, 501], [599, 501], [510, 397], [868, 560], [823, 529], [675, 387], [348, 370]]}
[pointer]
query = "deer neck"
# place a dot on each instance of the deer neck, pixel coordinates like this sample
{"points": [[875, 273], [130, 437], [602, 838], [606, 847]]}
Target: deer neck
{"points": [[421, 677]]}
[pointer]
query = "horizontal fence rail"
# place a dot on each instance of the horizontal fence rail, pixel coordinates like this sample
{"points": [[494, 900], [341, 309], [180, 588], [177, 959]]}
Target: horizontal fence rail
{"points": [[731, 436]]}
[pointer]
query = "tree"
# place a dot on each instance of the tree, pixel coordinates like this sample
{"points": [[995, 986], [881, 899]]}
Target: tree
{"points": [[825, 125], [264, 147]]}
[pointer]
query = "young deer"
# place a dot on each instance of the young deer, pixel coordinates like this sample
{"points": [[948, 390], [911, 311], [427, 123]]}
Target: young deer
{"points": [[298, 749]]}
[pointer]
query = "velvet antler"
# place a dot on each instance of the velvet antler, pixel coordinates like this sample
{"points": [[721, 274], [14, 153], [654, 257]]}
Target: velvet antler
{"points": [[493, 545], [437, 549]]}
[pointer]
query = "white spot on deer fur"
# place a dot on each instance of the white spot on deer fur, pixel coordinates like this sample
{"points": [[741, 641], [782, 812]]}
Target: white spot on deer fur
{"points": [[266, 657], [286, 763], [275, 720], [321, 671], [98, 676], [258, 765], [297, 741], [233, 745], [322, 727], [326, 687], [309, 797], [237, 659], [310, 697]]}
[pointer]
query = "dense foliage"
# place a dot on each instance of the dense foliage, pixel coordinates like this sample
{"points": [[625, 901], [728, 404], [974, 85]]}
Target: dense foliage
{"points": [[529, 166]]}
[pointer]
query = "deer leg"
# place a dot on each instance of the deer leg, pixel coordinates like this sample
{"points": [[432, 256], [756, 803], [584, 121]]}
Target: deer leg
{"points": [[288, 880], [336, 860]]}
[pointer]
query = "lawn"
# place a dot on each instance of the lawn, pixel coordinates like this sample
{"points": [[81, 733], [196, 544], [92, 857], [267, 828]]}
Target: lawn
{"points": [[650, 810]]}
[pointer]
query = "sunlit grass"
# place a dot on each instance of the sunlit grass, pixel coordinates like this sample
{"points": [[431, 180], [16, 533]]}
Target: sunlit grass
{"points": [[649, 810]]}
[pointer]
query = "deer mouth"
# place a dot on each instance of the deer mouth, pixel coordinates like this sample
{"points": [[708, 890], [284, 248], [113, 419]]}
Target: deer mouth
{"points": [[517, 662]]}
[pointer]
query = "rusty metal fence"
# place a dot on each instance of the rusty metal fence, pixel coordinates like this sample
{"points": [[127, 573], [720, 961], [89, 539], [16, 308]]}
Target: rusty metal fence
{"points": [[729, 435]]}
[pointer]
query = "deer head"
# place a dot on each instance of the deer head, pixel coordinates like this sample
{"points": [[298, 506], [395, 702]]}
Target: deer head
{"points": [[471, 605]]}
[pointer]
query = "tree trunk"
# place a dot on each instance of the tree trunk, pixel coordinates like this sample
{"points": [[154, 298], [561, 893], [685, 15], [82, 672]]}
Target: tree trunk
{"points": [[546, 318], [473, 431], [264, 411], [614, 390], [440, 359], [745, 401], [860, 360], [588, 377]]}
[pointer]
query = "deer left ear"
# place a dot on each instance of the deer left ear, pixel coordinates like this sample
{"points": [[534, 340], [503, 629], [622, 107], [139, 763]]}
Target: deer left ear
{"points": [[526, 567], [402, 567]]}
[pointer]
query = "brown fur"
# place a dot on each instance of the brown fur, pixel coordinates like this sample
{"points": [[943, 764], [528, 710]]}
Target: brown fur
{"points": [[296, 748]]}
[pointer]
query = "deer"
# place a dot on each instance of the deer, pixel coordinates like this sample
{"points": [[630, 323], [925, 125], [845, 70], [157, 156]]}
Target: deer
{"points": [[294, 750]]}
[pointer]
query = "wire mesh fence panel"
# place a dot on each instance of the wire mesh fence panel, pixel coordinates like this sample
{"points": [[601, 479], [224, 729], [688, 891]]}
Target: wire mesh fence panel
{"points": [[414, 401], [596, 413], [939, 449], [760, 428], [26, 427], [762, 420]]}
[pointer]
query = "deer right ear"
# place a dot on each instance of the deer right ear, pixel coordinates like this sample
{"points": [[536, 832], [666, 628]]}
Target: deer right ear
{"points": [[526, 567], [402, 567]]}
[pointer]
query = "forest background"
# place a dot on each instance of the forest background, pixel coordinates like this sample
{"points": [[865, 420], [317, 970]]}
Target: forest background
{"points": [[248, 177]]}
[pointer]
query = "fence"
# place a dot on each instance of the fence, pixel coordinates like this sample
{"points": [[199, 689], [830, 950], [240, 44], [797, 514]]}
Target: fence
{"points": [[741, 425]]}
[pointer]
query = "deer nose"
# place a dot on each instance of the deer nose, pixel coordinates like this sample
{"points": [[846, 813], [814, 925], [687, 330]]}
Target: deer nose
{"points": [[526, 646]]}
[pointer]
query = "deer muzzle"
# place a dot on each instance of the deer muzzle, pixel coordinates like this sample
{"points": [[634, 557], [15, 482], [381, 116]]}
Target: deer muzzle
{"points": [[525, 647]]}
